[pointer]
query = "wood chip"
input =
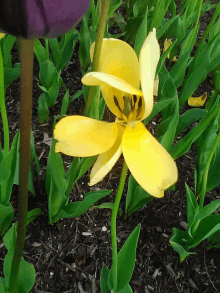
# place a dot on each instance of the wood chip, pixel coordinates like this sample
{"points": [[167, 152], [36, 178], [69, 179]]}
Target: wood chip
{"points": [[81, 288]]}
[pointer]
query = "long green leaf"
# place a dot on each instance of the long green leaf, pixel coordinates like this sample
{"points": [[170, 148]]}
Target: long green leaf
{"points": [[185, 143], [126, 261], [75, 209]]}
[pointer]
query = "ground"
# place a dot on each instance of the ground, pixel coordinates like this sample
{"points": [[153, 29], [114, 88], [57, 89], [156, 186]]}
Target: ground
{"points": [[68, 256]]}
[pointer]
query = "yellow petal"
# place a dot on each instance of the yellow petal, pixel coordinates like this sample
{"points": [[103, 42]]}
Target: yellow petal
{"points": [[107, 160], [82, 137], [197, 101], [149, 57], [156, 85], [167, 44], [111, 86], [119, 59], [149, 163], [1, 36]]}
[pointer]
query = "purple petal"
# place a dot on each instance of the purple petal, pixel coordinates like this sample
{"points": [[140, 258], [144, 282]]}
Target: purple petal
{"points": [[40, 18]]}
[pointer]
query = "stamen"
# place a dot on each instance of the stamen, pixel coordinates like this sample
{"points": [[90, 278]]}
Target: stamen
{"points": [[132, 105], [117, 104], [140, 103], [139, 107], [127, 106], [135, 99]]}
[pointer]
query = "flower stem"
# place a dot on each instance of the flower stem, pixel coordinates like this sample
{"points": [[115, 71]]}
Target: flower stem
{"points": [[26, 55], [205, 175], [98, 46], [113, 225]]}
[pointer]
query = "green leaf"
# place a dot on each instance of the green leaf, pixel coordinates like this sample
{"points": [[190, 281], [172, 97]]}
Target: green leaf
{"points": [[208, 210], [167, 90], [55, 52], [131, 29], [158, 107], [180, 250], [5, 197], [214, 240], [75, 209], [5, 167], [190, 8], [191, 205], [43, 111], [101, 108], [188, 118], [169, 135], [139, 7], [75, 96], [56, 201], [114, 4], [162, 9], [65, 103], [3, 288], [67, 50], [204, 146], [164, 57], [26, 275], [185, 143], [206, 228], [48, 73], [40, 52], [141, 34], [71, 174], [6, 217], [94, 110], [10, 74], [53, 91], [32, 169], [57, 170], [163, 29], [126, 261], [108, 205], [85, 42], [94, 14], [8, 237], [136, 197], [207, 60], [215, 30], [34, 156], [84, 166], [104, 280], [126, 289], [7, 47], [214, 172]]}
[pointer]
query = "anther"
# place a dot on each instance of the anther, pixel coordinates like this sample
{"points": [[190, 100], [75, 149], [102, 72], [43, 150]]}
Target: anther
{"points": [[117, 104], [135, 99], [139, 107]]}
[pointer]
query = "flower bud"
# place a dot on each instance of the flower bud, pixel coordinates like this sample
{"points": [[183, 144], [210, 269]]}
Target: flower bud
{"points": [[40, 18]]}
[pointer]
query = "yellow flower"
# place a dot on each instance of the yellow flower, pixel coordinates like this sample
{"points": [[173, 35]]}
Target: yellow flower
{"points": [[197, 101], [167, 44], [119, 78]]}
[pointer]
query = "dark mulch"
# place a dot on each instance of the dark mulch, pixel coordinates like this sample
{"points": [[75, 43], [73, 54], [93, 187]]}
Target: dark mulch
{"points": [[68, 256]]}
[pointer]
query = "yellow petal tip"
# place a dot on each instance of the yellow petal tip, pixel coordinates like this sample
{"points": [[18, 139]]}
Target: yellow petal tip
{"points": [[197, 101]]}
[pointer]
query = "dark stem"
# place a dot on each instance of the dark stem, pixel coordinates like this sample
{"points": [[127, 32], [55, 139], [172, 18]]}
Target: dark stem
{"points": [[26, 56]]}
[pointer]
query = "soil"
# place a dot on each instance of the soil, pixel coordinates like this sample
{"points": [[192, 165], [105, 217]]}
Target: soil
{"points": [[68, 256]]}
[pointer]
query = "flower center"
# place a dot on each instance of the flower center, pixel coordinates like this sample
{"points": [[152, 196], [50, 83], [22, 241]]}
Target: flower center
{"points": [[131, 108]]}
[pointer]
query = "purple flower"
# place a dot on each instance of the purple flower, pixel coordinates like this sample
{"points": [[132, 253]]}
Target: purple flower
{"points": [[40, 18]]}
